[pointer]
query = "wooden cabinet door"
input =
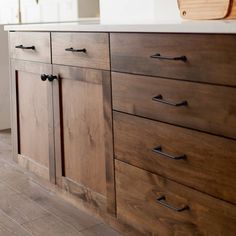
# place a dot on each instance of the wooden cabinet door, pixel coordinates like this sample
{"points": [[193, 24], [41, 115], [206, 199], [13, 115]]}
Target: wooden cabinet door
{"points": [[32, 118], [84, 154]]}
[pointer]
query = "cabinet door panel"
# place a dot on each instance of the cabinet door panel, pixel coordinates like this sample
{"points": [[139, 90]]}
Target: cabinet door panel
{"points": [[83, 134], [85, 165], [32, 118]]}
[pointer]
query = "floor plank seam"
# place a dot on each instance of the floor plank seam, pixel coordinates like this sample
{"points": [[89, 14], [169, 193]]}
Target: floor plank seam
{"points": [[50, 191], [13, 220]]}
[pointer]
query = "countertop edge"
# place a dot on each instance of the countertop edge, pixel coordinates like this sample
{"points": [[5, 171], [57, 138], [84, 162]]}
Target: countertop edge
{"points": [[208, 27]]}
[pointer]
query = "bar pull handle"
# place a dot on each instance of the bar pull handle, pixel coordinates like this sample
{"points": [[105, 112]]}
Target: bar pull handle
{"points": [[23, 47], [159, 98], [160, 57], [158, 150], [162, 200], [76, 50]]}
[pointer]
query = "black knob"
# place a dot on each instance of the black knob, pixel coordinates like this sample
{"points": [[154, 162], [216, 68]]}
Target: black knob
{"points": [[44, 77], [52, 77]]}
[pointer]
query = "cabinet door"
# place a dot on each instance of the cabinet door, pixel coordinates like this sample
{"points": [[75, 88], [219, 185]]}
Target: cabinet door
{"points": [[83, 119], [32, 118]]}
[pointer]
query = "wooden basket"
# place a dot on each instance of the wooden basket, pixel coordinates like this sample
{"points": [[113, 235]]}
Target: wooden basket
{"points": [[207, 9]]}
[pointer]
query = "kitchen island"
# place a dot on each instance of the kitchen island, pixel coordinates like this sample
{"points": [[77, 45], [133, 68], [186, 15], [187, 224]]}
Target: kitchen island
{"points": [[135, 122]]}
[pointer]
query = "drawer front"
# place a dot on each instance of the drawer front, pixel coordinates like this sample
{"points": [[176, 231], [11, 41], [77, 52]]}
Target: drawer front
{"points": [[177, 153], [81, 49], [30, 46], [157, 206], [210, 58], [204, 107]]}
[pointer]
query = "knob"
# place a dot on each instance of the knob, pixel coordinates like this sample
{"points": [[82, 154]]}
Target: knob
{"points": [[44, 77], [52, 77]]}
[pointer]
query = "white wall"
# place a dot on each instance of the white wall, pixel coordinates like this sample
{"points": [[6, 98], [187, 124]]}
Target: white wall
{"points": [[138, 11], [8, 11], [4, 82]]}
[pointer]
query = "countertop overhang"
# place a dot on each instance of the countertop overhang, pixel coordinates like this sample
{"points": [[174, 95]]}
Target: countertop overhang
{"points": [[210, 27]]}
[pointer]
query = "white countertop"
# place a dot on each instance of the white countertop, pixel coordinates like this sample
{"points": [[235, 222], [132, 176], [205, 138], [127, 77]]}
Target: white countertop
{"points": [[211, 26]]}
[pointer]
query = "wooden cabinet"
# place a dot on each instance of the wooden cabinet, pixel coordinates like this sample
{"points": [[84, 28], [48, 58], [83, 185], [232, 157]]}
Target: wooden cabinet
{"points": [[183, 103], [171, 98], [30, 46], [194, 57], [62, 117], [83, 114], [32, 118], [89, 50], [174, 120], [178, 153], [157, 206]]}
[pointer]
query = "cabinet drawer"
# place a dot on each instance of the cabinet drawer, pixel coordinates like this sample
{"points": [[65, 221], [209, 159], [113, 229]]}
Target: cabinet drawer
{"points": [[30, 46], [81, 49], [204, 107], [210, 58], [157, 206], [177, 153]]}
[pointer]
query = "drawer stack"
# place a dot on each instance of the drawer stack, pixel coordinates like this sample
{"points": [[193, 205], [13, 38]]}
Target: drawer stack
{"points": [[174, 109]]}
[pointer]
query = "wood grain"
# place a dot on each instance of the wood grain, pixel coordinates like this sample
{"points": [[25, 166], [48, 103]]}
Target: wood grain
{"points": [[41, 41], [210, 58], [136, 137], [232, 11], [85, 112], [210, 108], [204, 9], [137, 193], [96, 45], [9, 227], [31, 118]]}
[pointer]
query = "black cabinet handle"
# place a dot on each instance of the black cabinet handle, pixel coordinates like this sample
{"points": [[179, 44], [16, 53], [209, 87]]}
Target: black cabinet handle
{"points": [[159, 98], [76, 50], [44, 77], [160, 57], [23, 47], [159, 151], [162, 200], [52, 77]]}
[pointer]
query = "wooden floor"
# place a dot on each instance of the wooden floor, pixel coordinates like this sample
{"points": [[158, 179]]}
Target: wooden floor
{"points": [[28, 209]]}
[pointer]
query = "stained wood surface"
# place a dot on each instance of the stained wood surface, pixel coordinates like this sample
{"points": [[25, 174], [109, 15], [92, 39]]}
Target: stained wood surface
{"points": [[85, 108], [33, 117], [209, 108], [96, 45], [41, 42], [135, 138], [137, 193], [204, 9], [210, 58], [32, 120]]}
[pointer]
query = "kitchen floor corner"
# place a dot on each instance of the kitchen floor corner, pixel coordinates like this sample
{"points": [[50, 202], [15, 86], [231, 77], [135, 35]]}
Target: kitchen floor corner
{"points": [[28, 209]]}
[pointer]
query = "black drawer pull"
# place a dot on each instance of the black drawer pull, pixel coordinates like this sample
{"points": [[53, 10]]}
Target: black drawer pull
{"points": [[159, 56], [159, 98], [44, 77], [23, 47], [159, 151], [162, 200], [76, 50], [52, 77]]}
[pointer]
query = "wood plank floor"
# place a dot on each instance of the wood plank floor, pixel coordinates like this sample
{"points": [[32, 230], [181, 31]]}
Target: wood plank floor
{"points": [[28, 209]]}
